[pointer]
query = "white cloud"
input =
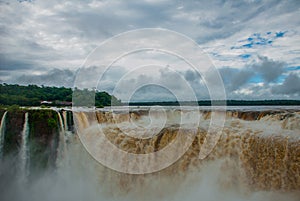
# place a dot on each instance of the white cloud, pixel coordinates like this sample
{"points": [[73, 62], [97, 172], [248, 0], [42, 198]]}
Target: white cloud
{"points": [[39, 36]]}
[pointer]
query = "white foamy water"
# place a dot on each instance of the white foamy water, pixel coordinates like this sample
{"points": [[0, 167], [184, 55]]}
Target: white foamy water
{"points": [[24, 151], [62, 142], [256, 158], [2, 132]]}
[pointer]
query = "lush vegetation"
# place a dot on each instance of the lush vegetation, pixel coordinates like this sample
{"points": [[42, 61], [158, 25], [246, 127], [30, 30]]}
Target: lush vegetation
{"points": [[33, 95], [43, 139]]}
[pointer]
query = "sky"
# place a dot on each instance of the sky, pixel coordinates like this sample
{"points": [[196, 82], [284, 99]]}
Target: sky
{"points": [[254, 45]]}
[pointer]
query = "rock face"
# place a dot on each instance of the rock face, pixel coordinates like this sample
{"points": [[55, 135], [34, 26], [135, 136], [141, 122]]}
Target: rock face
{"points": [[258, 150], [12, 138], [43, 139]]}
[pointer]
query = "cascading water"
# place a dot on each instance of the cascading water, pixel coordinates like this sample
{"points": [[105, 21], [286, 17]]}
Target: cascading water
{"points": [[24, 152], [61, 156], [264, 152], [64, 113], [255, 159], [2, 132]]}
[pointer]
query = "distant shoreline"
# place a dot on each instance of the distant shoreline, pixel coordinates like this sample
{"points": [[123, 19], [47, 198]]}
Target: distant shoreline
{"points": [[220, 102], [33, 95]]}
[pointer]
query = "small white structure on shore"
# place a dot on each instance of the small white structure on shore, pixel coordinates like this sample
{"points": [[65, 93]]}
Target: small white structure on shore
{"points": [[46, 102]]}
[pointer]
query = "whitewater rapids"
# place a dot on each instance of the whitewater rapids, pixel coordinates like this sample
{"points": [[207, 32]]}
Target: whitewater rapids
{"points": [[258, 151], [256, 158]]}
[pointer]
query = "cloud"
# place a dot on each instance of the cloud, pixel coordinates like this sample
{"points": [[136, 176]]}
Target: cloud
{"points": [[192, 76], [162, 84], [235, 78], [153, 93], [39, 36], [291, 85], [12, 64], [269, 69], [166, 84], [259, 39], [55, 77]]}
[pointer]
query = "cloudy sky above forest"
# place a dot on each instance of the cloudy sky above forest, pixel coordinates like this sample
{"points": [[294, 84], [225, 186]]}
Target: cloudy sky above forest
{"points": [[255, 44]]}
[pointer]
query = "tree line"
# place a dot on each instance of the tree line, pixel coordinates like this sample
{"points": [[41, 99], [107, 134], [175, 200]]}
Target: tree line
{"points": [[33, 95], [220, 102]]}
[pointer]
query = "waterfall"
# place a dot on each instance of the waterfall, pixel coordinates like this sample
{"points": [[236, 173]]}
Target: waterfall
{"points": [[2, 132], [62, 141], [61, 123], [257, 153], [24, 150], [64, 113], [256, 157]]}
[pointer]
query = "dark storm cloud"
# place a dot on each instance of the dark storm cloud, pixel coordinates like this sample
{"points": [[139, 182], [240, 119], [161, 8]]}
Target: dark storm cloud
{"points": [[192, 76], [269, 69], [50, 34], [291, 85], [98, 22], [13, 64], [235, 16], [153, 93], [94, 21], [235, 78], [55, 77]]}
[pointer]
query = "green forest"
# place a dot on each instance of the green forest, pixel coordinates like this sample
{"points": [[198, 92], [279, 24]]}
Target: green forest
{"points": [[33, 95]]}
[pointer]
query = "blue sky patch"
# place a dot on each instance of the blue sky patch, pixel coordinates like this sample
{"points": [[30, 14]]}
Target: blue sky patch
{"points": [[249, 45], [256, 79], [281, 78], [292, 68], [280, 34], [258, 39], [245, 56]]}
